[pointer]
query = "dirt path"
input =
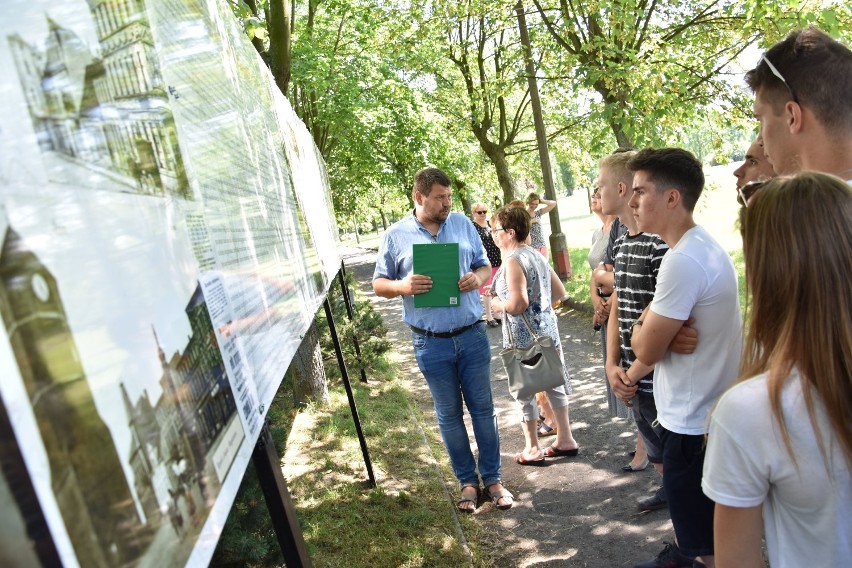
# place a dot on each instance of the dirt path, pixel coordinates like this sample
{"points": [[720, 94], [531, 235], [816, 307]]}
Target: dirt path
{"points": [[572, 512]]}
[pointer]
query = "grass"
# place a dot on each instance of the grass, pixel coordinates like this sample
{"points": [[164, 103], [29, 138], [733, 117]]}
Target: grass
{"points": [[577, 286], [408, 520]]}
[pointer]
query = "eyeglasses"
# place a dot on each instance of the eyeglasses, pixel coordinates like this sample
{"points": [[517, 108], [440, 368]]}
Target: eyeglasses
{"points": [[494, 231], [746, 192], [481, 212], [778, 74]]}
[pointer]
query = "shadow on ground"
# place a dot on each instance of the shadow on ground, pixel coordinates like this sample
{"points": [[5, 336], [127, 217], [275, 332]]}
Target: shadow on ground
{"points": [[573, 511]]}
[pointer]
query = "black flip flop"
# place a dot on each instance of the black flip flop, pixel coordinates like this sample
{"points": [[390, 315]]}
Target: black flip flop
{"points": [[552, 452]]}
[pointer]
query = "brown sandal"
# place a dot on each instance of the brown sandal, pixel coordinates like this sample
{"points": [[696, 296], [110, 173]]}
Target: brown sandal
{"points": [[495, 497], [468, 499]]}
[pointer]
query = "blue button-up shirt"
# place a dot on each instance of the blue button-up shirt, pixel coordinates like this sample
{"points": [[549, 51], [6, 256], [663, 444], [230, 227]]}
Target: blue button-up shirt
{"points": [[395, 262]]}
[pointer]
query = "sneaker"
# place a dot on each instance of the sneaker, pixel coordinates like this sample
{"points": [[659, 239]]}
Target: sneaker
{"points": [[654, 502], [670, 557]]}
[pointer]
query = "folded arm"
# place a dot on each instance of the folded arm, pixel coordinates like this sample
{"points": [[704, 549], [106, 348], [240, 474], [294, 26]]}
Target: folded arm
{"points": [[651, 336]]}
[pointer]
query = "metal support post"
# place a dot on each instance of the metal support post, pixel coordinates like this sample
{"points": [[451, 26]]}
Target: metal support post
{"points": [[341, 276], [267, 464], [345, 374]]}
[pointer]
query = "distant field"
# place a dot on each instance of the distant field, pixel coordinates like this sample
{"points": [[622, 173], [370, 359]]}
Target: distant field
{"points": [[716, 211]]}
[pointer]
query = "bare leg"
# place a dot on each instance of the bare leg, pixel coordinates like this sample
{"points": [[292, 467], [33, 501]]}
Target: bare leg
{"points": [[545, 409], [564, 438], [641, 456], [486, 306], [532, 451]]}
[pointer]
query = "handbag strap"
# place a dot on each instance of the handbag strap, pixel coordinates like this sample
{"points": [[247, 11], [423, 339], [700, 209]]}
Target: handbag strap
{"points": [[524, 313]]}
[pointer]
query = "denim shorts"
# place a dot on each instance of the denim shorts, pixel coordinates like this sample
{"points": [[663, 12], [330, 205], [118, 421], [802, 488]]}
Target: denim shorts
{"points": [[691, 511], [645, 414]]}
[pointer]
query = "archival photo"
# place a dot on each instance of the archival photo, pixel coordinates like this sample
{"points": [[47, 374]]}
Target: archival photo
{"points": [[166, 238]]}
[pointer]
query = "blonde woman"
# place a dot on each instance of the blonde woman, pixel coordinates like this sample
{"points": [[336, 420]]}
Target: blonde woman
{"points": [[779, 450]]}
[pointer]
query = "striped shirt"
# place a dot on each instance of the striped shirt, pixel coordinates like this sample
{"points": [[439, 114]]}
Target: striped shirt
{"points": [[637, 262]]}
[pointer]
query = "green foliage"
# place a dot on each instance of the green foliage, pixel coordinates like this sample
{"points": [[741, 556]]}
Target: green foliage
{"points": [[248, 538], [366, 327]]}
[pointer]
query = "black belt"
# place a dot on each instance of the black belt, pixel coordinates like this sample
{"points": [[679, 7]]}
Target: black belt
{"points": [[443, 334]]}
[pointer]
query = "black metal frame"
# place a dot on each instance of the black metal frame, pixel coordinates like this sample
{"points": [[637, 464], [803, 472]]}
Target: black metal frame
{"points": [[285, 522]]}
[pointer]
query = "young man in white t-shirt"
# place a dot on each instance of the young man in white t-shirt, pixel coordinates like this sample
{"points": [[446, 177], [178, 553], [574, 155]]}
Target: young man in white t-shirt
{"points": [[696, 280]]}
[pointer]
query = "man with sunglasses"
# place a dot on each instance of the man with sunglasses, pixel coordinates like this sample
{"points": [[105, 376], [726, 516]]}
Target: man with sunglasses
{"points": [[802, 88], [755, 166]]}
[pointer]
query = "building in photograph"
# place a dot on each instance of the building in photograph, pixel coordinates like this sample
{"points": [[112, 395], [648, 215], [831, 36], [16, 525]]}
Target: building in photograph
{"points": [[107, 111], [170, 451], [88, 481]]}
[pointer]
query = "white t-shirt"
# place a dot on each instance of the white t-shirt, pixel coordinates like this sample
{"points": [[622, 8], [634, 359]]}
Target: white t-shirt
{"points": [[697, 279], [807, 513]]}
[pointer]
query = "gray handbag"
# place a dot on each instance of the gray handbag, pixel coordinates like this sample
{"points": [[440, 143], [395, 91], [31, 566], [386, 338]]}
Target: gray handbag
{"points": [[532, 369]]}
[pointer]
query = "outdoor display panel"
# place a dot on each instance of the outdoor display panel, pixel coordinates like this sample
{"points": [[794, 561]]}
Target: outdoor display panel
{"points": [[166, 237]]}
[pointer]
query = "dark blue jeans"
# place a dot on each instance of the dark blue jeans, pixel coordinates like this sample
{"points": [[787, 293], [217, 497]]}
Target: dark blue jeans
{"points": [[458, 369]]}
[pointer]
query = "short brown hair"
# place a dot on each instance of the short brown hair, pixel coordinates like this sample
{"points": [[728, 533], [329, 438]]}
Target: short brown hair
{"points": [[533, 197], [515, 218], [671, 168], [427, 177], [817, 69]]}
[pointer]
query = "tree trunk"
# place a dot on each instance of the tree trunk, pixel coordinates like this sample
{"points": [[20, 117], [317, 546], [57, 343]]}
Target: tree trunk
{"points": [[278, 26], [504, 178], [309, 382], [620, 135]]}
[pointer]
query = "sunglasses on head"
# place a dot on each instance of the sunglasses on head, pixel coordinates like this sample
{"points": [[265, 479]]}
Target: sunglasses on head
{"points": [[746, 192], [778, 74]]}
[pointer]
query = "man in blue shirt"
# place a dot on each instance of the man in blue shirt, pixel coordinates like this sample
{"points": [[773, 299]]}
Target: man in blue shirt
{"points": [[450, 343]]}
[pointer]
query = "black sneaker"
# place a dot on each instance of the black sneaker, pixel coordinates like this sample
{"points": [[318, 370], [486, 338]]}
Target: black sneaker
{"points": [[654, 502], [670, 557]]}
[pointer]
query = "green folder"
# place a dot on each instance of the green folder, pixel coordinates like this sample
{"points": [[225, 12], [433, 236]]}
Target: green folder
{"points": [[439, 261]]}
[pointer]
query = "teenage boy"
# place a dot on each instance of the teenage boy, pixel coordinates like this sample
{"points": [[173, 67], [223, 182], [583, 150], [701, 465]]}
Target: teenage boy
{"points": [[696, 281], [636, 261], [802, 88]]}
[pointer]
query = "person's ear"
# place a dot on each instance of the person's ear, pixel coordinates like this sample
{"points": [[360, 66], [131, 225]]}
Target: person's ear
{"points": [[418, 198], [622, 189], [794, 115], [673, 198]]}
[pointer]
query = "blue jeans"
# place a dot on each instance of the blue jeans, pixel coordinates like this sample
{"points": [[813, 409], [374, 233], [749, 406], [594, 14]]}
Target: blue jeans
{"points": [[459, 368]]}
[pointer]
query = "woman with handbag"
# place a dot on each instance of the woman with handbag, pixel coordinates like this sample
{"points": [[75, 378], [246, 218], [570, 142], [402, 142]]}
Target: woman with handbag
{"points": [[525, 287]]}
